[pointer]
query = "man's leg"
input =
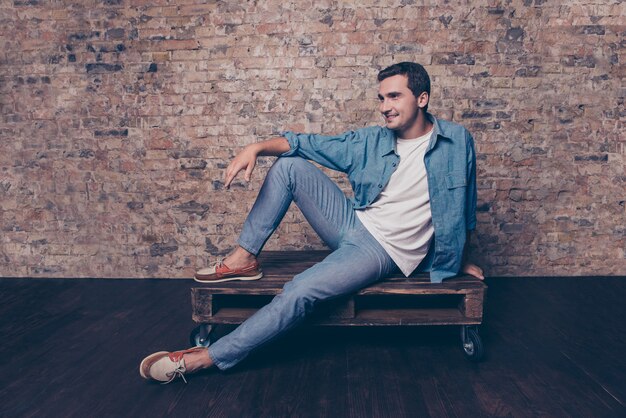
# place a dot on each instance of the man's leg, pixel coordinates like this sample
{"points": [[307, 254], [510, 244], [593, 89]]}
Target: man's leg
{"points": [[358, 262], [323, 204]]}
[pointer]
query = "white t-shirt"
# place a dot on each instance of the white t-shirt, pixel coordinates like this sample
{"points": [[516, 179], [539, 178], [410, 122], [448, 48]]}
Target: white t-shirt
{"points": [[400, 218]]}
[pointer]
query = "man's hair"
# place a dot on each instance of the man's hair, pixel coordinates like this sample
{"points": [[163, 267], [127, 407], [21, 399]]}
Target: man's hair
{"points": [[419, 81]]}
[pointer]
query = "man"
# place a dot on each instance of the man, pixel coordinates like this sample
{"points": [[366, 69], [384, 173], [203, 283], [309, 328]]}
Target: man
{"points": [[414, 205]]}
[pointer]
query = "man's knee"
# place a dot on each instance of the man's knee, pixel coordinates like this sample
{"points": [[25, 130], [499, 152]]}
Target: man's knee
{"points": [[288, 164], [302, 297], [286, 169]]}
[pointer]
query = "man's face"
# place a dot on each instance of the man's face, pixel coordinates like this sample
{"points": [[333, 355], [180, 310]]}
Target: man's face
{"points": [[399, 106]]}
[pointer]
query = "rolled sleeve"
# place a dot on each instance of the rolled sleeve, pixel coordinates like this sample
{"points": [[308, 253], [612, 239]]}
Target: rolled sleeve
{"points": [[294, 143], [330, 151]]}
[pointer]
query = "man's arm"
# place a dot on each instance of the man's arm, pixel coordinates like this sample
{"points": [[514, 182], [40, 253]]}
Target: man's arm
{"points": [[467, 266], [246, 159]]}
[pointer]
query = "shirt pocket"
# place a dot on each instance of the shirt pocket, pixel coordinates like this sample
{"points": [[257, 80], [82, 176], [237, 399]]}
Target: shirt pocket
{"points": [[456, 179]]}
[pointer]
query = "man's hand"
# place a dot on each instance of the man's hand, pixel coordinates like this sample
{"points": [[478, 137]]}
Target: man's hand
{"points": [[473, 270], [245, 160]]}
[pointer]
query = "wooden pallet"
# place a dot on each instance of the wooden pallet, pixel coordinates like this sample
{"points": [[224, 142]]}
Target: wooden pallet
{"points": [[395, 301]]}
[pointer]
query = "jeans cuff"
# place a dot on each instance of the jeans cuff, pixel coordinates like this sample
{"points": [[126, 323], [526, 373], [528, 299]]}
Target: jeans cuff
{"points": [[249, 248], [219, 364]]}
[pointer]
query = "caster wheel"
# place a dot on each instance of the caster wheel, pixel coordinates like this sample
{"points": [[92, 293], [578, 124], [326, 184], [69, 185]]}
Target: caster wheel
{"points": [[200, 336], [472, 344]]}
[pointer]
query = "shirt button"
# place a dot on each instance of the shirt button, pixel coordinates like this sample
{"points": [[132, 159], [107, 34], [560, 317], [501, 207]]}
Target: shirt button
{"points": [[380, 186], [394, 164]]}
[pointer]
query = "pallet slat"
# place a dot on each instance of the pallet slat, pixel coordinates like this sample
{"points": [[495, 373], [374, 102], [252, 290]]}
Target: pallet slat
{"points": [[370, 317]]}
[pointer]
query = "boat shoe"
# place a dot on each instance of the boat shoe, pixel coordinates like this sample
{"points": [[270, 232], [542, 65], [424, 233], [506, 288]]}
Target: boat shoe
{"points": [[220, 272], [164, 366]]}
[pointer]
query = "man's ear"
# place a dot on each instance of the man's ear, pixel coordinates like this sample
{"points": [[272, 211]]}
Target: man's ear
{"points": [[422, 100]]}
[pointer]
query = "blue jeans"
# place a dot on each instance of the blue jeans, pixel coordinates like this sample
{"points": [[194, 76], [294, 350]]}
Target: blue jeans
{"points": [[357, 259]]}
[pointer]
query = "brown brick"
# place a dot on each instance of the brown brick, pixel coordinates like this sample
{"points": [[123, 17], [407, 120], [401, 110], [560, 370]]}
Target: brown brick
{"points": [[177, 44]]}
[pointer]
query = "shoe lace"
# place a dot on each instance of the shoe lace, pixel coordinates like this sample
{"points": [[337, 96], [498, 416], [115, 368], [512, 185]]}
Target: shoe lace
{"points": [[179, 371], [218, 262]]}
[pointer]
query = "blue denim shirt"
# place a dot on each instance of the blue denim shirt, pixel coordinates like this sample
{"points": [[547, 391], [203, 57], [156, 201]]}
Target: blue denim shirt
{"points": [[368, 157]]}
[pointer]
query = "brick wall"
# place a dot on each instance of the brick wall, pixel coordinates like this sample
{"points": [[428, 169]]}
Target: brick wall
{"points": [[119, 116]]}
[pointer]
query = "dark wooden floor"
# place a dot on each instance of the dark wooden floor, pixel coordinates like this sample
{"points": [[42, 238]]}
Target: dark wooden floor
{"points": [[556, 348]]}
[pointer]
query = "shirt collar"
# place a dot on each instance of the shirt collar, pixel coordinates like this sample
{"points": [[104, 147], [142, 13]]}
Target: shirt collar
{"points": [[390, 136], [436, 131], [389, 146]]}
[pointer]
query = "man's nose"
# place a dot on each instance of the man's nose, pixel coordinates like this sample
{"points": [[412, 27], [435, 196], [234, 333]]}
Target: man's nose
{"points": [[384, 106]]}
